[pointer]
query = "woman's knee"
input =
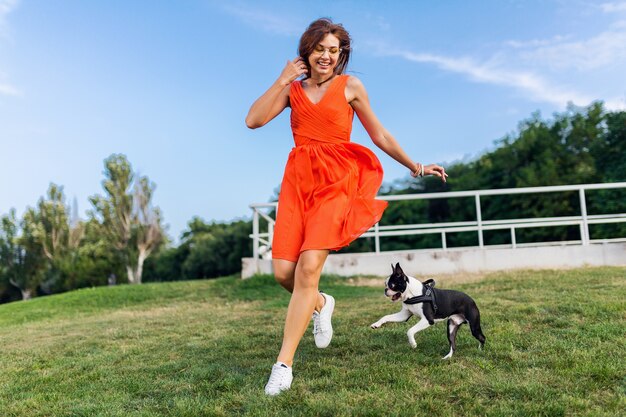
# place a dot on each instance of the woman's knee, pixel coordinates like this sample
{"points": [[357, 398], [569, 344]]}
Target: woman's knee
{"points": [[283, 276], [284, 273], [308, 274]]}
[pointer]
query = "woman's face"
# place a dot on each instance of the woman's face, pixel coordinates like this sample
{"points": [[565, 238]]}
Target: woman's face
{"points": [[325, 56]]}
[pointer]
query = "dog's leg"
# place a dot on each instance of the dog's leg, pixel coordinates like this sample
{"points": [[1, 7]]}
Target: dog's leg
{"points": [[453, 326], [473, 318], [421, 325], [402, 315]]}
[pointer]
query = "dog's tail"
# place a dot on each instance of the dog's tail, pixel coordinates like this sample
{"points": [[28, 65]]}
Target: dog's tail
{"points": [[473, 318]]}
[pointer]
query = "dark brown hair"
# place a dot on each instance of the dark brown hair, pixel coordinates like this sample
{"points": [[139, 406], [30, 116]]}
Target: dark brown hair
{"points": [[318, 31]]}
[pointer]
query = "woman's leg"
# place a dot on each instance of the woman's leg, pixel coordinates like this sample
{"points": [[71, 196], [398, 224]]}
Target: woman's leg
{"points": [[304, 298], [284, 273]]}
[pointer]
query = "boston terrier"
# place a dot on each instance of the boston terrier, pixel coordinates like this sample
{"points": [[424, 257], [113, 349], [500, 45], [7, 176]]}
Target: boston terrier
{"points": [[431, 305]]}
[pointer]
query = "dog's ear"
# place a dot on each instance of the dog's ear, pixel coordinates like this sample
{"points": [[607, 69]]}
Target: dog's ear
{"points": [[393, 270], [397, 270]]}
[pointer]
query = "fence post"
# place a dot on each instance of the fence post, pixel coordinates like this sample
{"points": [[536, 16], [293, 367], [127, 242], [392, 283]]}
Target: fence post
{"points": [[513, 241], [255, 239], [376, 238], [584, 231], [479, 219], [270, 232], [443, 241]]}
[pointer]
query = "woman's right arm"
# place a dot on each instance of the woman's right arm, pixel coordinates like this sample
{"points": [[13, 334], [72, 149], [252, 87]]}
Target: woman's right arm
{"points": [[276, 98]]}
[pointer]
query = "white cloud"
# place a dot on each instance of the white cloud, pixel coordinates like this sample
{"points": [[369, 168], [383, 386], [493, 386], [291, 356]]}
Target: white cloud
{"points": [[377, 21], [534, 43], [267, 21], [528, 67], [9, 90], [541, 69], [616, 103], [613, 7], [531, 84], [603, 50], [6, 7]]}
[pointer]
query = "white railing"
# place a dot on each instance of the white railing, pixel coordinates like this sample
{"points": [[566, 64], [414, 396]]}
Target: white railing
{"points": [[262, 241]]}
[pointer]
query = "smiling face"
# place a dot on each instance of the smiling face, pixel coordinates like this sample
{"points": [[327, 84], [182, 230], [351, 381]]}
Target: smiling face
{"points": [[325, 56], [396, 283], [325, 48]]}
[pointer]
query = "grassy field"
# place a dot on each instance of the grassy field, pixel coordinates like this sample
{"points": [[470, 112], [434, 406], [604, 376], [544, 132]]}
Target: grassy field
{"points": [[556, 345]]}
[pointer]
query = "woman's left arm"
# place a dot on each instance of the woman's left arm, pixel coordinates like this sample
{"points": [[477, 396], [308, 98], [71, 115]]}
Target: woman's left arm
{"points": [[358, 99]]}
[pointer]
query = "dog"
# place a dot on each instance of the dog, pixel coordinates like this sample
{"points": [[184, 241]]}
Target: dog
{"points": [[431, 305]]}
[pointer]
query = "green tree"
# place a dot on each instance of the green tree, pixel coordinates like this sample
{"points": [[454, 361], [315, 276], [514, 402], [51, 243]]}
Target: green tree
{"points": [[21, 262], [50, 225], [581, 145], [55, 235], [216, 249], [93, 263], [166, 264], [610, 153], [128, 220], [207, 250]]}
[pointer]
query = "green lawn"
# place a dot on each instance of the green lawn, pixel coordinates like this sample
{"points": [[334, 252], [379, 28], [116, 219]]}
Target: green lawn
{"points": [[556, 345]]}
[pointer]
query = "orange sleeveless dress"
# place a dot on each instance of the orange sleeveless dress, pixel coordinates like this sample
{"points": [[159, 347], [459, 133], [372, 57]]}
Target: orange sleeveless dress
{"points": [[327, 194]]}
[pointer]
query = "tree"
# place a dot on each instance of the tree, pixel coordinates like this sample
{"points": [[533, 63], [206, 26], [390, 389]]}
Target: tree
{"points": [[94, 261], [49, 224], [216, 249], [21, 262], [55, 235], [128, 220], [147, 233], [207, 250], [580, 145]]}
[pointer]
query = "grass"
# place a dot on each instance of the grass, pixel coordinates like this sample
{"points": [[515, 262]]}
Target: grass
{"points": [[556, 345]]}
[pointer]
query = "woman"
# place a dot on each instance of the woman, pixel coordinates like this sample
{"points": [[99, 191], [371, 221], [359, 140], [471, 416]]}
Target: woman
{"points": [[327, 194]]}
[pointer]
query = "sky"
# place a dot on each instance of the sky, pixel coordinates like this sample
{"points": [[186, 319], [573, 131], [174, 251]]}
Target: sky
{"points": [[168, 84]]}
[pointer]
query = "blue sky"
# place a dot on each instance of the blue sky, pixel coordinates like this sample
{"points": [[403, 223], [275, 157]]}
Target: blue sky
{"points": [[169, 84]]}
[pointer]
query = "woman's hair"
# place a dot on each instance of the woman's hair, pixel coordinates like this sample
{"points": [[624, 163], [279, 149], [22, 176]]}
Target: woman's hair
{"points": [[318, 31]]}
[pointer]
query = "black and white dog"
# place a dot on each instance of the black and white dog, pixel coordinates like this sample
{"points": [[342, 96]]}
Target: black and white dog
{"points": [[431, 305]]}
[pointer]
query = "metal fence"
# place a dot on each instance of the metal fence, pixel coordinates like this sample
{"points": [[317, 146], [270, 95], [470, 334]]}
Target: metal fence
{"points": [[262, 240]]}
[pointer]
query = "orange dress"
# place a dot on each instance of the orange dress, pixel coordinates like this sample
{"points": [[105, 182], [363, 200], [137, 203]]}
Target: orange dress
{"points": [[327, 194]]}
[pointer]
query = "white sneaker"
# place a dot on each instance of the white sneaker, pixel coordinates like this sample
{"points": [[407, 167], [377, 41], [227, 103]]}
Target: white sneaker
{"points": [[322, 327], [280, 379]]}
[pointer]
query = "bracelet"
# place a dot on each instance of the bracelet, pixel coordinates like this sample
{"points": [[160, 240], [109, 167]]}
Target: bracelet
{"points": [[419, 172]]}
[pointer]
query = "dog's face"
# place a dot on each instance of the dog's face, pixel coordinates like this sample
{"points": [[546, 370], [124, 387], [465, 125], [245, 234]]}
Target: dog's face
{"points": [[396, 283]]}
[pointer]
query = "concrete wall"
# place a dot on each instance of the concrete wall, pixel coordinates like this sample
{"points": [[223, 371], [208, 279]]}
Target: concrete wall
{"points": [[452, 261]]}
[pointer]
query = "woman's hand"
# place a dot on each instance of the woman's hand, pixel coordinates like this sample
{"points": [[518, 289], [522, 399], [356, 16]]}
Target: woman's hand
{"points": [[432, 169], [293, 69], [276, 98]]}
